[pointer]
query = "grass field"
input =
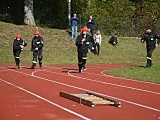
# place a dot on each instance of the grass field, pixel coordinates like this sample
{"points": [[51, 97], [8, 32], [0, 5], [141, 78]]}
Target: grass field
{"points": [[59, 48]]}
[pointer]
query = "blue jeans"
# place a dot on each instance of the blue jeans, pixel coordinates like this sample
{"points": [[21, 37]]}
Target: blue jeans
{"points": [[74, 31]]}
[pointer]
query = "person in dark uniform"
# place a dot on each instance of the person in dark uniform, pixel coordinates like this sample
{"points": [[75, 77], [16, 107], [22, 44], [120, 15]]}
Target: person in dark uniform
{"points": [[18, 46], [36, 48], [84, 43], [113, 40], [150, 38]]}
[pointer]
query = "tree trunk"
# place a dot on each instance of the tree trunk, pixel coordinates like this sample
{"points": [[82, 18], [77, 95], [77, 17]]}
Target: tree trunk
{"points": [[28, 12]]}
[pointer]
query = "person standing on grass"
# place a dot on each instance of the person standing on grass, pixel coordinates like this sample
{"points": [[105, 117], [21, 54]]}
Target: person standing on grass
{"points": [[83, 43], [98, 39], [36, 47], [150, 38], [90, 24], [74, 25], [18, 46]]}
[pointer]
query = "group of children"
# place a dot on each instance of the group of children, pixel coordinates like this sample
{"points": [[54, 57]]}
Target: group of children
{"points": [[36, 47]]}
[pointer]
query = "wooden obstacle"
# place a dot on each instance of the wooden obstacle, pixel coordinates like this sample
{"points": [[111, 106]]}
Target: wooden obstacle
{"points": [[90, 99]]}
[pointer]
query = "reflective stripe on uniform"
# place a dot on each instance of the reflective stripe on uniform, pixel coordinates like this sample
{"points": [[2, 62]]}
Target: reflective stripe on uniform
{"points": [[16, 57], [38, 42], [84, 57], [80, 63], [149, 58], [34, 61], [87, 43]]}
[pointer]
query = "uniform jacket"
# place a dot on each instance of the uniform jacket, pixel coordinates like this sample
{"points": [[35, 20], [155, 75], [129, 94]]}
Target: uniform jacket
{"points": [[150, 39], [37, 42], [87, 44], [17, 44]]}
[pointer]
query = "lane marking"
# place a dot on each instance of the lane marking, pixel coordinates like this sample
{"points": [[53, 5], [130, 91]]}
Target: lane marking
{"points": [[140, 105], [115, 84], [48, 101]]}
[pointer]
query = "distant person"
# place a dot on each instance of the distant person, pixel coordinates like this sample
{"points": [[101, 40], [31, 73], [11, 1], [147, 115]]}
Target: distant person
{"points": [[84, 43], [74, 25], [98, 40], [36, 47], [113, 40], [150, 38], [91, 24], [18, 46]]}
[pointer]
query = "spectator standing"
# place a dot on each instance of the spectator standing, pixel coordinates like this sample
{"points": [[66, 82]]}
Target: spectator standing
{"points": [[98, 39], [90, 24], [74, 25]]}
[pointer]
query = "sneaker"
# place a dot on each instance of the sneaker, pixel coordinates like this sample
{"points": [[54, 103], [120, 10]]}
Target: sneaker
{"points": [[79, 71], [40, 64], [33, 66], [84, 68], [149, 65], [18, 65]]}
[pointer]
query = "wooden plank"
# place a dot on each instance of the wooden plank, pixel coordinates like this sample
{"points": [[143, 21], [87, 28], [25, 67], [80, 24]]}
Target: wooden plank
{"points": [[76, 99], [116, 103]]}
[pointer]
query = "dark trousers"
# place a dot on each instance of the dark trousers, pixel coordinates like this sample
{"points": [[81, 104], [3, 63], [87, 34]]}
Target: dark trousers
{"points": [[37, 53], [82, 57], [97, 48], [92, 32], [16, 54], [150, 50]]}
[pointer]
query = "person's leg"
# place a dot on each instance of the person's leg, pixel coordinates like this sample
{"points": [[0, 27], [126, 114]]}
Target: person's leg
{"points": [[72, 34], [79, 62], [149, 56], [40, 56], [76, 28], [17, 59], [34, 61]]}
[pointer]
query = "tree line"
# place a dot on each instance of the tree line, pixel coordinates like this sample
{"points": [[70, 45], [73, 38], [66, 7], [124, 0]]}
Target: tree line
{"points": [[121, 16]]}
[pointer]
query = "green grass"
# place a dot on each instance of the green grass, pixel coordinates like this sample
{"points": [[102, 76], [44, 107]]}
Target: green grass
{"points": [[59, 48]]}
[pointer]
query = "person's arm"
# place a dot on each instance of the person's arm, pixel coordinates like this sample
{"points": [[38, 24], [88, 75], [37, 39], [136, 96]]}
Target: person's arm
{"points": [[158, 40], [41, 43], [143, 39], [100, 39]]}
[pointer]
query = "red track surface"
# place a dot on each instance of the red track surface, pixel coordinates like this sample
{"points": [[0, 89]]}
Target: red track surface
{"points": [[34, 94]]}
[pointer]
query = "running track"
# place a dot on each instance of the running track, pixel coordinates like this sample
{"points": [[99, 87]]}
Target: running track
{"points": [[27, 94]]}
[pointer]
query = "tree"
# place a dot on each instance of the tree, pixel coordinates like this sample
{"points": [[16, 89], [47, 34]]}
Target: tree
{"points": [[28, 12]]}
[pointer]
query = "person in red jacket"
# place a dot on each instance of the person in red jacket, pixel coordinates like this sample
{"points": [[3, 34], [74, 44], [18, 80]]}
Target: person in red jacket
{"points": [[18, 46], [84, 43], [36, 48]]}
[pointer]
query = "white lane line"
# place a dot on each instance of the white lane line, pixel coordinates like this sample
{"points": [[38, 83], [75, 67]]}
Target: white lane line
{"points": [[140, 105], [133, 103], [48, 101], [114, 84], [103, 73]]}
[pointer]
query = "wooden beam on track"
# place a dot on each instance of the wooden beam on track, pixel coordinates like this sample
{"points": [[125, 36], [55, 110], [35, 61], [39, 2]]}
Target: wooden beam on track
{"points": [[90, 99]]}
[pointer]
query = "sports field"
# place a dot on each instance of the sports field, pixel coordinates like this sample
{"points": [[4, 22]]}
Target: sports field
{"points": [[28, 94]]}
